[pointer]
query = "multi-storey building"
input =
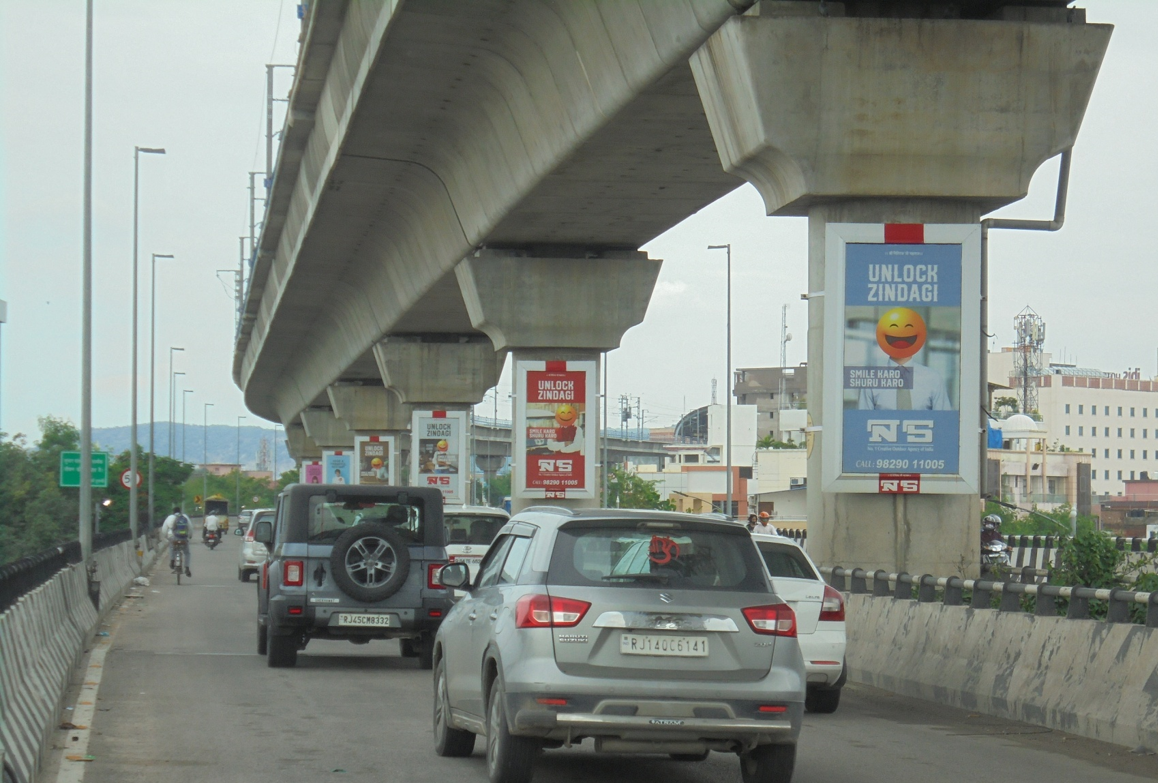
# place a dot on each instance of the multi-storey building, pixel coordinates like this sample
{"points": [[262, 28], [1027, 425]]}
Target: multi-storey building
{"points": [[1111, 416], [773, 390]]}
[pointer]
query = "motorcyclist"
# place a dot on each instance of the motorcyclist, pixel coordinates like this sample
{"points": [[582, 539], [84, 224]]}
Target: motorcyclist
{"points": [[212, 525], [176, 530], [991, 528]]}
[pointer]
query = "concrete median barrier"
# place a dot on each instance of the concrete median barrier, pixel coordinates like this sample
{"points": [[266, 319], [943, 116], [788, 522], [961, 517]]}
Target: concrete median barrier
{"points": [[1091, 678]]}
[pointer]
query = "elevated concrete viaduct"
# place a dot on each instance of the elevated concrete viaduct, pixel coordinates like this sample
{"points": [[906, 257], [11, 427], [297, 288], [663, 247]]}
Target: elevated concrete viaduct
{"points": [[448, 168]]}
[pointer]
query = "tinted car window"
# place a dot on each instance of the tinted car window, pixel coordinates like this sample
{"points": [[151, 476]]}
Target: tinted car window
{"points": [[628, 555], [786, 561], [514, 561], [328, 520], [489, 572], [476, 529]]}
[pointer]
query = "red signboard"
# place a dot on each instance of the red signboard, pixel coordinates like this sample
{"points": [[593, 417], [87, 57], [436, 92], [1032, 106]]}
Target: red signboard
{"points": [[899, 483], [556, 446]]}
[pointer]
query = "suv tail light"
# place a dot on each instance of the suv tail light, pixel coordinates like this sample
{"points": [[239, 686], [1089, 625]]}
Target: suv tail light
{"points": [[249, 536], [832, 608], [265, 575], [772, 620], [545, 611], [432, 576], [293, 573]]}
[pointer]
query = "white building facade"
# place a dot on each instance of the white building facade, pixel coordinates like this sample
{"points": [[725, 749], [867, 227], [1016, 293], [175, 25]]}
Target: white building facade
{"points": [[1113, 417]]}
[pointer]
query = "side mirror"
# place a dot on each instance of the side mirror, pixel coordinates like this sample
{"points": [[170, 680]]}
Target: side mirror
{"points": [[263, 532], [239, 531], [456, 576]]}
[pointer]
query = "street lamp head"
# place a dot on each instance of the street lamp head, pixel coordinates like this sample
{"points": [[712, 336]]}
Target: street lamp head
{"points": [[162, 255], [719, 247], [152, 150]]}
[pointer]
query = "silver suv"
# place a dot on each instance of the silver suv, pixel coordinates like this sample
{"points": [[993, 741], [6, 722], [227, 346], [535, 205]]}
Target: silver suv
{"points": [[647, 632], [354, 563]]}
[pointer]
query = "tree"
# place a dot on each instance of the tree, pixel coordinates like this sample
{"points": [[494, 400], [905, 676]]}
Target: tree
{"points": [[768, 442], [1005, 406], [627, 490]]}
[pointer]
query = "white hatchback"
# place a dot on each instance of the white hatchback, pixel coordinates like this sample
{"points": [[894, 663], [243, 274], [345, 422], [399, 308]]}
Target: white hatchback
{"points": [[819, 618], [252, 554], [470, 531]]}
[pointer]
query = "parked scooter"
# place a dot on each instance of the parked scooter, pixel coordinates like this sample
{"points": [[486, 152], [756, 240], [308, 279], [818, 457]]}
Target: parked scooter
{"points": [[212, 538], [994, 550]]}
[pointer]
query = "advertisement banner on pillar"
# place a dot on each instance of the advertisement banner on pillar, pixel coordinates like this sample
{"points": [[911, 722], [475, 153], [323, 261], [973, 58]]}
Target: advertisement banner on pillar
{"points": [[374, 462], [901, 357], [555, 446], [312, 472], [337, 466], [439, 456]]}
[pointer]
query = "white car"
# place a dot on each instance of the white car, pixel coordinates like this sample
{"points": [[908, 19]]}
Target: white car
{"points": [[470, 531], [252, 554], [819, 618]]}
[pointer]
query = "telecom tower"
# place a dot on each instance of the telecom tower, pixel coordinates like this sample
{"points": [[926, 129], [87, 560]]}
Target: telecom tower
{"points": [[1029, 332], [263, 455]]}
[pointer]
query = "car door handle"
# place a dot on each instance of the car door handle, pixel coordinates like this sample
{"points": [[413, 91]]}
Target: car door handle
{"points": [[494, 615], [471, 616]]}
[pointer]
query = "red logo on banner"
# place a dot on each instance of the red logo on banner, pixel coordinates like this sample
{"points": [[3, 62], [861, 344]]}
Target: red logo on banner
{"points": [[899, 483], [438, 481]]}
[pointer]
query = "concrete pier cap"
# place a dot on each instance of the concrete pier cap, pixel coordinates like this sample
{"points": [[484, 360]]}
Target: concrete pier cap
{"points": [[892, 120], [368, 408], [326, 430], [451, 371], [561, 305], [300, 446]]}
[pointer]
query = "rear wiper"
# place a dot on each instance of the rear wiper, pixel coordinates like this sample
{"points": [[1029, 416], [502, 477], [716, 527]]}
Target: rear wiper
{"points": [[640, 577]]}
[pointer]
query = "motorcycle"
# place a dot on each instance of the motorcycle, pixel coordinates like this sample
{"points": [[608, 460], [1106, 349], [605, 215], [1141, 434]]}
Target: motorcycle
{"points": [[994, 549], [212, 538]]}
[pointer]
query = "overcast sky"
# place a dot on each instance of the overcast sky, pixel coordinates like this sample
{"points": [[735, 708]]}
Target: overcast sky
{"points": [[190, 77]]}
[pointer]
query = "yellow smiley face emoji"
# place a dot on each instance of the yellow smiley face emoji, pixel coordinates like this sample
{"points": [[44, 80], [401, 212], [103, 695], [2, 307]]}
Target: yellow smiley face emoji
{"points": [[901, 333]]}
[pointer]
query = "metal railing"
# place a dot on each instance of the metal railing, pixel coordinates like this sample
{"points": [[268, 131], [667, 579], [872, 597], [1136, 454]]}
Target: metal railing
{"points": [[26, 574], [950, 591]]}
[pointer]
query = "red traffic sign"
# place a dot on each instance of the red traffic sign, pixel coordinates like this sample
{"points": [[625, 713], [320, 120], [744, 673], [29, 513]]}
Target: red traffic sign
{"points": [[125, 479]]}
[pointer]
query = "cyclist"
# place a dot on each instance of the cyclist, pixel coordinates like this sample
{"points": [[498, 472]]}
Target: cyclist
{"points": [[176, 529]]}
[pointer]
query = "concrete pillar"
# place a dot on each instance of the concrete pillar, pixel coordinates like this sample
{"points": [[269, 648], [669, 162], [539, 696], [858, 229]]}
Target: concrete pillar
{"points": [[563, 308], [873, 120], [368, 410]]}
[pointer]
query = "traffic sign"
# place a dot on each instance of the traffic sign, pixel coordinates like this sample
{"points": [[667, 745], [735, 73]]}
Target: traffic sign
{"points": [[197, 499], [70, 469], [125, 479]]}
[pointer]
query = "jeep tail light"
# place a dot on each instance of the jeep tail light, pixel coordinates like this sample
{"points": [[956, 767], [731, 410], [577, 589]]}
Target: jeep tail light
{"points": [[832, 608], [772, 620], [293, 573], [545, 611], [432, 576]]}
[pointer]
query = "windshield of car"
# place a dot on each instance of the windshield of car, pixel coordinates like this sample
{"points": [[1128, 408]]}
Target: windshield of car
{"points": [[787, 562], [329, 520], [474, 529], [635, 555]]}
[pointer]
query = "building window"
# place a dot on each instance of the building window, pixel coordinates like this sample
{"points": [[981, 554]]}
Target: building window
{"points": [[1067, 429], [1094, 431], [1119, 475], [1106, 431], [1081, 430], [1093, 410], [1119, 453], [1131, 432], [1131, 475], [1106, 454], [1131, 413], [1145, 433], [1106, 410], [1107, 475], [1080, 408], [1119, 410], [1131, 454], [1067, 407]]}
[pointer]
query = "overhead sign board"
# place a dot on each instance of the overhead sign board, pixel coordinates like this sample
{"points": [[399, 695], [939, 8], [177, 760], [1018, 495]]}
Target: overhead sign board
{"points": [[70, 469], [901, 348]]}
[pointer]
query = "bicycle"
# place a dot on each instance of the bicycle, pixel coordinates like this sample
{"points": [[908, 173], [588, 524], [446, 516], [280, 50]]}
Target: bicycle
{"points": [[179, 549]]}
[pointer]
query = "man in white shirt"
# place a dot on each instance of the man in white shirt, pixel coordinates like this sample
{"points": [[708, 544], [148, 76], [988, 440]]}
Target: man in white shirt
{"points": [[212, 524], [177, 529], [765, 525], [927, 393]]}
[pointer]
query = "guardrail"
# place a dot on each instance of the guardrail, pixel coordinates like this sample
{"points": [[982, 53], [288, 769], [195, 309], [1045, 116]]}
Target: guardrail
{"points": [[950, 592], [26, 574]]}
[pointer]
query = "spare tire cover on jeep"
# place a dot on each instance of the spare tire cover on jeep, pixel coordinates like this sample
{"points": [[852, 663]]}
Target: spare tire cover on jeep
{"points": [[370, 562]]}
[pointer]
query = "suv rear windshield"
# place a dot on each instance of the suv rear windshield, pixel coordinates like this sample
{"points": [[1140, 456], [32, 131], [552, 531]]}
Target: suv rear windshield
{"points": [[479, 529], [633, 555], [786, 562], [328, 520]]}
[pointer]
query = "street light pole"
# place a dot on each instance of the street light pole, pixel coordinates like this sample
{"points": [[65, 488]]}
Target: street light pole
{"points": [[183, 400], [205, 456], [173, 418], [134, 523], [171, 412], [86, 311], [728, 391], [239, 418], [153, 376]]}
